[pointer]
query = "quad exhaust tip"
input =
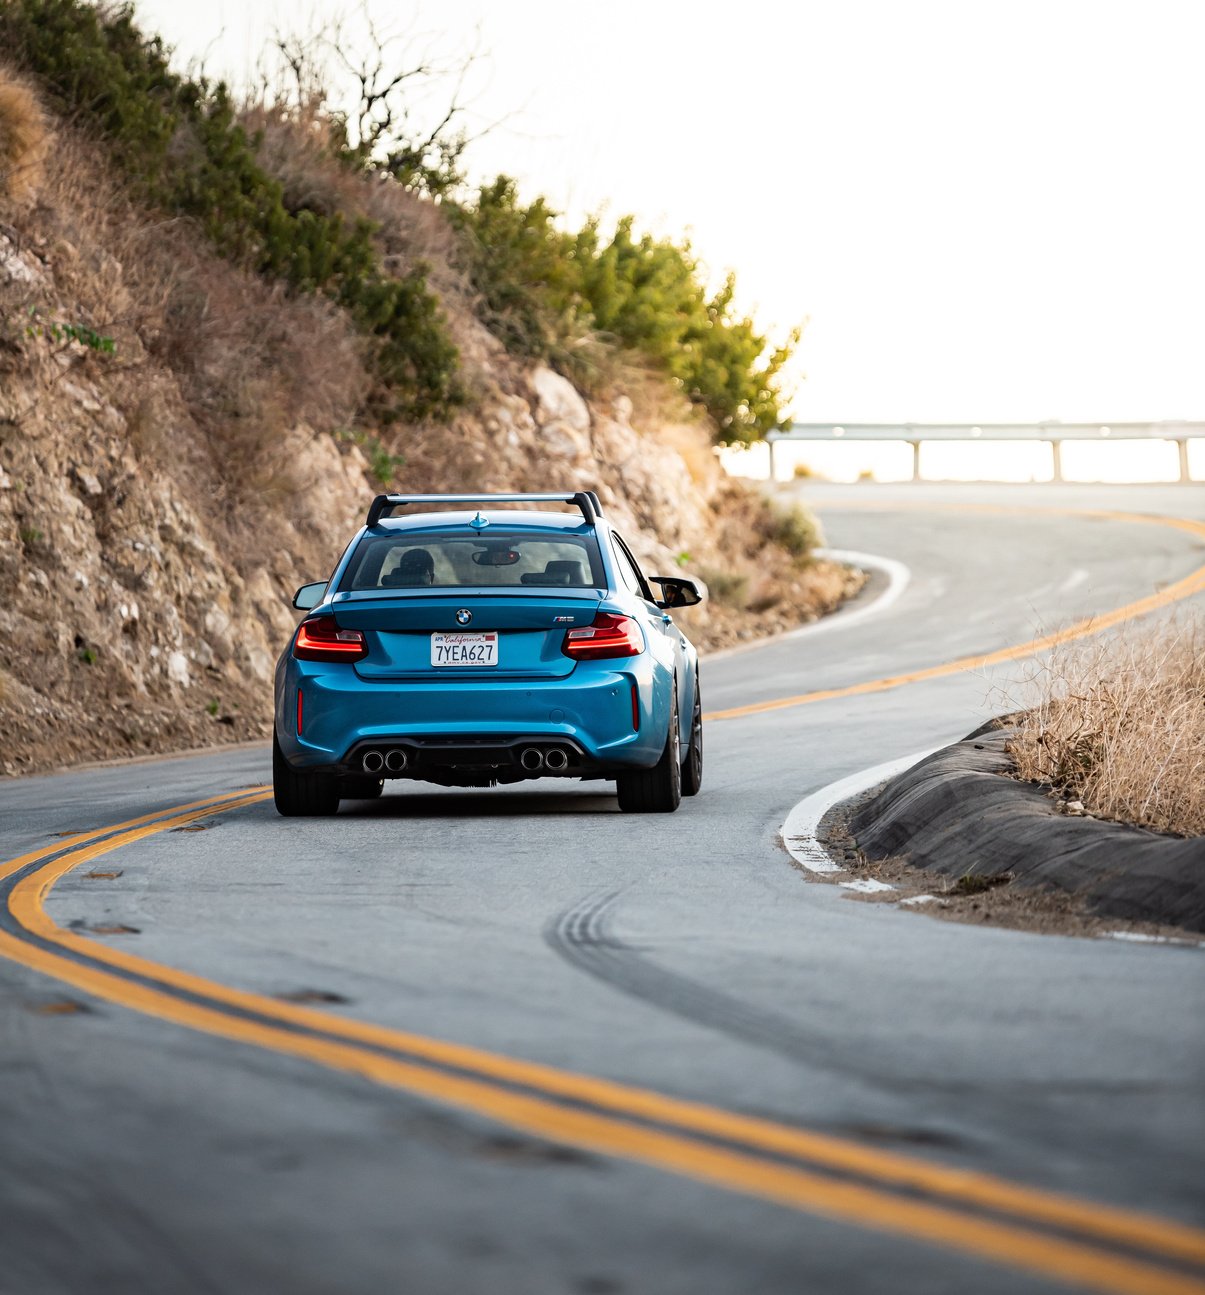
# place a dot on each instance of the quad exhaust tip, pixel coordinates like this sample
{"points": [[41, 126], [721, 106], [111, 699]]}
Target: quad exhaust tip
{"points": [[373, 762], [533, 759], [396, 760]]}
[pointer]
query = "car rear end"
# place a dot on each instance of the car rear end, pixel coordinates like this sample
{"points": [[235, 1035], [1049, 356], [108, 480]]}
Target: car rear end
{"points": [[467, 651]]}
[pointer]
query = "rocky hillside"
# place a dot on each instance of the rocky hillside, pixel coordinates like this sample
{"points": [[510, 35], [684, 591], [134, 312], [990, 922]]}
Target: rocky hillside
{"points": [[179, 450]]}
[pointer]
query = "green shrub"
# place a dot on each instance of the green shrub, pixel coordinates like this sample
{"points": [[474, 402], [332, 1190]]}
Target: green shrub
{"points": [[60, 332], [794, 528], [180, 143], [382, 463], [541, 286], [728, 588]]}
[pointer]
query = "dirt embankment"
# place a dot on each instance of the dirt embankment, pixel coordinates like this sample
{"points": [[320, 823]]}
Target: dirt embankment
{"points": [[179, 450]]}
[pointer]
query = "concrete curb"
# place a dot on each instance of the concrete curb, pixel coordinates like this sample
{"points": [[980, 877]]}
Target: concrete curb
{"points": [[954, 813]]}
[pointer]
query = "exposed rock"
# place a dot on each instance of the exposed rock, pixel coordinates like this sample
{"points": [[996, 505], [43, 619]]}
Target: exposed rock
{"points": [[558, 400], [88, 482], [177, 669]]}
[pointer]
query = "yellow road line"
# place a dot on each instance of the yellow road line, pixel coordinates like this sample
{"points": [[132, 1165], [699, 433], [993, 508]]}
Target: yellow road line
{"points": [[732, 1170], [65, 843], [961, 1186], [1185, 588]]}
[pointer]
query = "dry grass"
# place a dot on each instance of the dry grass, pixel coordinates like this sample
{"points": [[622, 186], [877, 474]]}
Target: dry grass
{"points": [[294, 147], [24, 138], [250, 363], [1119, 723]]}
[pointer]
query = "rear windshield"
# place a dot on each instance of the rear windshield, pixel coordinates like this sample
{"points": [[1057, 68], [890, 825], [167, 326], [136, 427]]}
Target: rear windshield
{"points": [[475, 561]]}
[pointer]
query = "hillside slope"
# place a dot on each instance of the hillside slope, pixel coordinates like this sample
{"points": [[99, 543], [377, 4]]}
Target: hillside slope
{"points": [[179, 449]]}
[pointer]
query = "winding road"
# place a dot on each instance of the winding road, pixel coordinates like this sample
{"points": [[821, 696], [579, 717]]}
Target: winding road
{"points": [[514, 1041]]}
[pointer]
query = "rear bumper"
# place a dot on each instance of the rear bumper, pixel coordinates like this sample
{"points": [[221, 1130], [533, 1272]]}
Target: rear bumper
{"points": [[471, 724]]}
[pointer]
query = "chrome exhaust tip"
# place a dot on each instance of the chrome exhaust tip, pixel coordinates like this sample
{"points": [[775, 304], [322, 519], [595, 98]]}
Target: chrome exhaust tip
{"points": [[556, 760], [396, 760], [373, 761], [532, 759]]}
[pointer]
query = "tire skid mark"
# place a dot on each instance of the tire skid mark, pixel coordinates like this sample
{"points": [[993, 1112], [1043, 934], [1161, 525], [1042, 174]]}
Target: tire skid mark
{"points": [[582, 935]]}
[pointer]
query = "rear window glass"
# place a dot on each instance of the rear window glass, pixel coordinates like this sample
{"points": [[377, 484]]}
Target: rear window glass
{"points": [[416, 561]]}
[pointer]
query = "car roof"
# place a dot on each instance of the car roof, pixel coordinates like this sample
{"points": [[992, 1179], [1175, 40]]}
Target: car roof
{"points": [[500, 519]]}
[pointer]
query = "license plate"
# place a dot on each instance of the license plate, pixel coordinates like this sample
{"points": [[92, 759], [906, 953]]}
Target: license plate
{"points": [[465, 649]]}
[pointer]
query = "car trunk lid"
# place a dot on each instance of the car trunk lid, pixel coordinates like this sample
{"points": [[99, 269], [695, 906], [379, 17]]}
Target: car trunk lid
{"points": [[530, 629]]}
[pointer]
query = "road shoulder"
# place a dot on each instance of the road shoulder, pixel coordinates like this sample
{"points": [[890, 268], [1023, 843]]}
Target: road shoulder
{"points": [[993, 846]]}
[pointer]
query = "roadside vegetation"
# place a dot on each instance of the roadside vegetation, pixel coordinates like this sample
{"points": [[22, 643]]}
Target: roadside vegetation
{"points": [[1119, 724], [367, 213]]}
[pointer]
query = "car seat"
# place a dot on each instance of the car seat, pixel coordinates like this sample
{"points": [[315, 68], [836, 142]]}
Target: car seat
{"points": [[560, 571], [415, 567]]}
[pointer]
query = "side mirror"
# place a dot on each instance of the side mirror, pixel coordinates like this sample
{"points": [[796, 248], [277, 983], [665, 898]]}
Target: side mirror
{"points": [[309, 596], [677, 591]]}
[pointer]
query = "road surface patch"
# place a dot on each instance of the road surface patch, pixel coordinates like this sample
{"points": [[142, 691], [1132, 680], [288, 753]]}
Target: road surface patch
{"points": [[1094, 1246]]}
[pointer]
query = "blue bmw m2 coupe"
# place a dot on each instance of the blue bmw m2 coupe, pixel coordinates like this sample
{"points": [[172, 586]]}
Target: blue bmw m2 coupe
{"points": [[488, 646]]}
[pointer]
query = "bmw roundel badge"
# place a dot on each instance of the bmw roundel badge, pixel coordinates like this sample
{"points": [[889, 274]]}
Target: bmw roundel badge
{"points": [[463, 616]]}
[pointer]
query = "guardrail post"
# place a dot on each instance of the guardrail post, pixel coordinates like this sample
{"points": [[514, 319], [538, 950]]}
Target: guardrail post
{"points": [[1182, 447], [773, 474], [915, 460], [1056, 461]]}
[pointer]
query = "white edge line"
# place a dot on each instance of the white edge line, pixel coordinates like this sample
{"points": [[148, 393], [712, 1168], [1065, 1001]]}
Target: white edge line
{"points": [[1138, 937], [898, 578], [799, 828]]}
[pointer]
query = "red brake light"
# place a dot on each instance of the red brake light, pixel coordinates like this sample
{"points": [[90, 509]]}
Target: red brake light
{"points": [[607, 636], [321, 639]]}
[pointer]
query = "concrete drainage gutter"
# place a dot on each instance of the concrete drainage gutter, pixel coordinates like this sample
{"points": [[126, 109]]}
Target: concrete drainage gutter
{"points": [[955, 813]]}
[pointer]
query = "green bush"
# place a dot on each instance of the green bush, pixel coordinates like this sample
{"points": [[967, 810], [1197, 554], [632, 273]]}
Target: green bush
{"points": [[179, 142], [728, 588], [794, 528], [540, 285]]}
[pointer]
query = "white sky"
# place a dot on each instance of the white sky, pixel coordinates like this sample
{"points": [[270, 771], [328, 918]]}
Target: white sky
{"points": [[986, 211]]}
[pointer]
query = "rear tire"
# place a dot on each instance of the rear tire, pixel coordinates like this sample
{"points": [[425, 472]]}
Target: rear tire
{"points": [[301, 795], [657, 790], [692, 765]]}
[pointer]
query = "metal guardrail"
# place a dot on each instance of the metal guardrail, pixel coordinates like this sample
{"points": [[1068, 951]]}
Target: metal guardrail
{"points": [[1052, 433]]}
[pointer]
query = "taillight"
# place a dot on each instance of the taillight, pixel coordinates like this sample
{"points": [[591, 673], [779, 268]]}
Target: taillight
{"points": [[607, 636], [321, 639]]}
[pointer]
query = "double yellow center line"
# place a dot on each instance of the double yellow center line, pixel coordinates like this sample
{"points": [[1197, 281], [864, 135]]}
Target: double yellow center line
{"points": [[1090, 1245]]}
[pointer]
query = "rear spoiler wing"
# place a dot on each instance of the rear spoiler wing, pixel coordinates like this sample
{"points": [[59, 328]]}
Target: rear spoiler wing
{"points": [[383, 505]]}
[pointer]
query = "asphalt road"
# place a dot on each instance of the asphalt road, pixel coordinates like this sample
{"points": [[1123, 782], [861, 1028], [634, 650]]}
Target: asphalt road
{"points": [[156, 1136]]}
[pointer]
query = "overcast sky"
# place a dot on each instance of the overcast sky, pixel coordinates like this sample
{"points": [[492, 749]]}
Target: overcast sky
{"points": [[984, 211]]}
